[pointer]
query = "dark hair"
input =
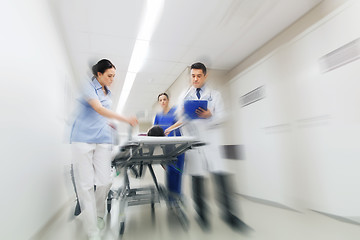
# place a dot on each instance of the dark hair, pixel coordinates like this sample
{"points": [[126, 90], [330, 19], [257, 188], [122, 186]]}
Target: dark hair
{"points": [[101, 66], [164, 95], [199, 65], [156, 131]]}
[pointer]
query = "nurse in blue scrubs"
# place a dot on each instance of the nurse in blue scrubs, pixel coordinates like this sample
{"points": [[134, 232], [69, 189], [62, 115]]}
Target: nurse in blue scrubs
{"points": [[165, 119]]}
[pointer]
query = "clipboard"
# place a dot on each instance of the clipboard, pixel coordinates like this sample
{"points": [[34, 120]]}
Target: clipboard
{"points": [[191, 105]]}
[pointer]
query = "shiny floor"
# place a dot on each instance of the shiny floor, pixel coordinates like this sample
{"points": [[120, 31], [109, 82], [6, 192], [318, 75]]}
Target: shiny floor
{"points": [[267, 222]]}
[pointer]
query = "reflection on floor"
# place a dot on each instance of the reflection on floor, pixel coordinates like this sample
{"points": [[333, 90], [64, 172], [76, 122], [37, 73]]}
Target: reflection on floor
{"points": [[268, 223]]}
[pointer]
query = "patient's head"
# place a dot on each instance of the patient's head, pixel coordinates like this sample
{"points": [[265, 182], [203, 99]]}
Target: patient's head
{"points": [[156, 131]]}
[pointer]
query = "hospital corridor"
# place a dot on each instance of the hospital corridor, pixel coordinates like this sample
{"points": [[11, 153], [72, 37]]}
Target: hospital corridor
{"points": [[180, 119]]}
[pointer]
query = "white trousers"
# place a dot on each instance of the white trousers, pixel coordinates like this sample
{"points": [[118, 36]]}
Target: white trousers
{"points": [[92, 166]]}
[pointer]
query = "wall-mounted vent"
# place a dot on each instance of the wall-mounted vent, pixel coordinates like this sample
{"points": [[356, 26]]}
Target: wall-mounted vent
{"points": [[253, 96], [341, 56]]}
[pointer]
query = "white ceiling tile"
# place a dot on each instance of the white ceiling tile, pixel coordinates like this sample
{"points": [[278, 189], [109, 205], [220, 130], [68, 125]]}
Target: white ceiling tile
{"points": [[110, 44], [179, 68], [166, 51], [117, 17], [154, 78], [207, 56], [157, 66]]}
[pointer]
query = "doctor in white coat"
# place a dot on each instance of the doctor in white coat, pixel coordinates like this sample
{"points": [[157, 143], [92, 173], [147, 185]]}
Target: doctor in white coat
{"points": [[200, 161]]}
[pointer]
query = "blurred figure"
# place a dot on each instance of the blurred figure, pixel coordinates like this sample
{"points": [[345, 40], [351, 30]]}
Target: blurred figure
{"points": [[165, 119], [200, 161], [91, 143]]}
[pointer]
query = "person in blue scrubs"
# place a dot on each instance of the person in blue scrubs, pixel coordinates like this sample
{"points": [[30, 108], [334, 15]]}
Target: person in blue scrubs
{"points": [[91, 143], [165, 119]]}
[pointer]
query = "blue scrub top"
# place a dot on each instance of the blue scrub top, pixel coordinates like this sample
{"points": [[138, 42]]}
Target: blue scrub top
{"points": [[166, 120], [89, 126]]}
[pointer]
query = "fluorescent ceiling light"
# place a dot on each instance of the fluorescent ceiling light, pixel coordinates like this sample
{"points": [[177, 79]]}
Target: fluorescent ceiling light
{"points": [[153, 11], [137, 59], [125, 91], [138, 55]]}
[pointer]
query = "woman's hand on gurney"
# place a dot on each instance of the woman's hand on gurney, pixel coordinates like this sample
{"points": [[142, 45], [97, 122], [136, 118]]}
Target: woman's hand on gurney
{"points": [[132, 121], [172, 127], [167, 131]]}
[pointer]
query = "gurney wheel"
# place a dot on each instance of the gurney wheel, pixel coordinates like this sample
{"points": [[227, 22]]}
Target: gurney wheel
{"points": [[108, 200], [109, 206], [122, 228], [77, 208], [153, 212]]}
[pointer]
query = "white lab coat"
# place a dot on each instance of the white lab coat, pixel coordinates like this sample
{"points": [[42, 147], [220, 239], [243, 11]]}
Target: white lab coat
{"points": [[199, 161]]}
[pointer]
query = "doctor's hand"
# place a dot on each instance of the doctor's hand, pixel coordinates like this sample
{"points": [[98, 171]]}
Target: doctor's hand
{"points": [[202, 113]]}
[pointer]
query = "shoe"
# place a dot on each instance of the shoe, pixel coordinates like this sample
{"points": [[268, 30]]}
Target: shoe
{"points": [[236, 224], [203, 223], [100, 223]]}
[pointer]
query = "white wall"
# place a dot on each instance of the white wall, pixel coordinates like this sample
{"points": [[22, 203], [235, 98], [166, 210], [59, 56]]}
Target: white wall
{"points": [[36, 91], [301, 141]]}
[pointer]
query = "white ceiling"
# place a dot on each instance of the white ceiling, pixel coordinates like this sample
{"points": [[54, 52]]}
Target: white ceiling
{"points": [[221, 33]]}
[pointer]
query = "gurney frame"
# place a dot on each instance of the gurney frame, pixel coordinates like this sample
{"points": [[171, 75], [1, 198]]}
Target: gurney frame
{"points": [[135, 156]]}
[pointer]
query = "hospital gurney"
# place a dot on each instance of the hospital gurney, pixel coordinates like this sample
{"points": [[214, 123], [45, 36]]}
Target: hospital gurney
{"points": [[135, 156]]}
